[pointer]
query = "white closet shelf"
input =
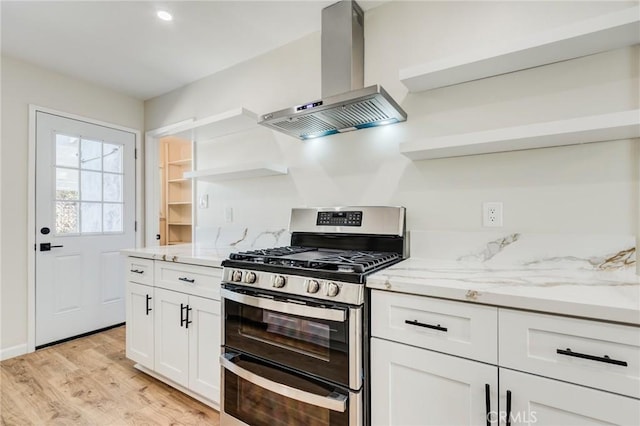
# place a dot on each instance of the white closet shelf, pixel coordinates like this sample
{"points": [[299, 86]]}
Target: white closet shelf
{"points": [[215, 126], [241, 171], [594, 128], [606, 32]]}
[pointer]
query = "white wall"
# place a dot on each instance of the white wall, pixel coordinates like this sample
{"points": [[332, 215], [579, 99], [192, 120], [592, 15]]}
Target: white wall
{"points": [[24, 84], [589, 188]]}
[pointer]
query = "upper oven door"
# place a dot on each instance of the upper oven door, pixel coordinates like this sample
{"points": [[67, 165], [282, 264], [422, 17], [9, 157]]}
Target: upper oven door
{"points": [[321, 341]]}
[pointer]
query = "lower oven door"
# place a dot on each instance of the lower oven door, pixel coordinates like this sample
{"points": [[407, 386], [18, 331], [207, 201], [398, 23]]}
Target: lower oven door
{"points": [[320, 340], [257, 393]]}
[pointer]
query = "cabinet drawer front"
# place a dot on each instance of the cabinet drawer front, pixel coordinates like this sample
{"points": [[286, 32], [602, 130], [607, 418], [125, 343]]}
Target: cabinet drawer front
{"points": [[139, 270], [452, 327], [600, 355], [192, 279]]}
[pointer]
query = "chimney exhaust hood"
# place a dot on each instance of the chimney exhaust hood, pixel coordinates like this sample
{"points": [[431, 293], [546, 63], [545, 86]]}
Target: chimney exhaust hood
{"points": [[345, 105]]}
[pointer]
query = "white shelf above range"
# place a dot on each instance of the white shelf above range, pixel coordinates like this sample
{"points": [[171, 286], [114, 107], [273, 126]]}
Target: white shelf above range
{"points": [[594, 128], [227, 123], [241, 171], [607, 32]]}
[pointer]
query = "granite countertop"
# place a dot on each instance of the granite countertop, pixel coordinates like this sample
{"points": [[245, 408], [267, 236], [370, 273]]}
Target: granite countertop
{"points": [[611, 295], [183, 253]]}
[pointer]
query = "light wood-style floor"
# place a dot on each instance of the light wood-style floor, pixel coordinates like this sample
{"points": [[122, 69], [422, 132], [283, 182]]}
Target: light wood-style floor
{"points": [[88, 381]]}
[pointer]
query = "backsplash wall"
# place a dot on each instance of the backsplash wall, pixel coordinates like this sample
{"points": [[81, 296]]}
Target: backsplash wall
{"points": [[590, 188]]}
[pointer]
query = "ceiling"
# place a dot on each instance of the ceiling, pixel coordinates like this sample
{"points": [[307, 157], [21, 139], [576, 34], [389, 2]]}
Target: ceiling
{"points": [[124, 46]]}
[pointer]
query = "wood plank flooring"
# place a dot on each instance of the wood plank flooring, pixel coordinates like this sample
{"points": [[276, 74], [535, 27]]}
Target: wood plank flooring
{"points": [[88, 381]]}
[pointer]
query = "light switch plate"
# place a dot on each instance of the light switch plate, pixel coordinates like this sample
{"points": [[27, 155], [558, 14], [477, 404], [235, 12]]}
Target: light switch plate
{"points": [[203, 201]]}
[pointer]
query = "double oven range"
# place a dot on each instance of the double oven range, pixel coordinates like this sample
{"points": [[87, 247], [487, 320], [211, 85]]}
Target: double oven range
{"points": [[295, 319]]}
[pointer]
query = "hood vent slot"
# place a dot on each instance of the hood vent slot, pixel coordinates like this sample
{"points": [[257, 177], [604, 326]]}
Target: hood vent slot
{"points": [[342, 71]]}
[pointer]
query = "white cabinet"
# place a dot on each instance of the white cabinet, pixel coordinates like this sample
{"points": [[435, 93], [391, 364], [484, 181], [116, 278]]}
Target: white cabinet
{"points": [[173, 326], [187, 344], [570, 371], [412, 386], [542, 401], [139, 333], [172, 337]]}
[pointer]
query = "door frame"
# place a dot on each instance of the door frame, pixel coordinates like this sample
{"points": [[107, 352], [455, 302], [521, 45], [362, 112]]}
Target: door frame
{"points": [[152, 181], [31, 203]]}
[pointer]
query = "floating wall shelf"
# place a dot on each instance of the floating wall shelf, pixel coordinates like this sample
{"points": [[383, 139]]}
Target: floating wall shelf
{"points": [[238, 172], [594, 128], [606, 32], [226, 123]]}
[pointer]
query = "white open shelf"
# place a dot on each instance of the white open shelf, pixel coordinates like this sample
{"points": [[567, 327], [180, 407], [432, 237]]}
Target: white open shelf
{"points": [[243, 171], [594, 128], [606, 32], [226, 123]]}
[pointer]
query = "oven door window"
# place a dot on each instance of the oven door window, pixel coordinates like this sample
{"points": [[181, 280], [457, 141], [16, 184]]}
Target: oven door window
{"points": [[254, 392], [317, 346]]}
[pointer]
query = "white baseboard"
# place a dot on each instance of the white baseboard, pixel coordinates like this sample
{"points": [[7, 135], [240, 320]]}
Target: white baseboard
{"points": [[13, 351]]}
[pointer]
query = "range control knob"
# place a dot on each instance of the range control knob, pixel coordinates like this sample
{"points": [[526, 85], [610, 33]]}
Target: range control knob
{"points": [[313, 286], [279, 281], [250, 277], [236, 276], [332, 289]]}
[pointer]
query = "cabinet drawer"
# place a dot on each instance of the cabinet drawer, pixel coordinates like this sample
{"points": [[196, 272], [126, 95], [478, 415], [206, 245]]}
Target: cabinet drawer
{"points": [[591, 353], [456, 328], [192, 279], [139, 270]]}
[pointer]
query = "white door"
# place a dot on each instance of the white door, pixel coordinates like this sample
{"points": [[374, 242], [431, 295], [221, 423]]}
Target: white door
{"points": [[171, 335], [85, 213], [412, 386], [537, 400], [140, 324], [204, 347]]}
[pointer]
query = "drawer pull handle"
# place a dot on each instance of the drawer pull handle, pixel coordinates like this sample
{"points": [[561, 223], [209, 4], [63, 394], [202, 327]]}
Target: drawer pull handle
{"points": [[421, 324], [187, 280], [137, 271], [569, 352]]}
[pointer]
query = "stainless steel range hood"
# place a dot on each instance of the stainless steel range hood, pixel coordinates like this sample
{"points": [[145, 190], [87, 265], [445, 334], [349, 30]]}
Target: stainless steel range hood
{"points": [[345, 105]]}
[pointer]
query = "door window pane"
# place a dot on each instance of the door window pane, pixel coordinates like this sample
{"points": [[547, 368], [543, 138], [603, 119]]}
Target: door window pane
{"points": [[112, 187], [91, 186], [66, 184], [112, 217], [66, 218], [112, 158], [89, 171], [67, 150], [91, 155], [91, 217]]}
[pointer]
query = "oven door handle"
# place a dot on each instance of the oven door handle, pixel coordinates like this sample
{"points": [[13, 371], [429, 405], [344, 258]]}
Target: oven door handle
{"points": [[286, 308], [334, 401]]}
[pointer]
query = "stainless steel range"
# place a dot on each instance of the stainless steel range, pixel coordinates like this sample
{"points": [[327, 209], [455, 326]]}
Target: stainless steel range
{"points": [[295, 328]]}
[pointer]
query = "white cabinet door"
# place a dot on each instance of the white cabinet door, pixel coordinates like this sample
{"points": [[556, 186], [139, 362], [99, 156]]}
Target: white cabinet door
{"points": [[172, 336], [204, 347], [140, 324], [542, 401], [412, 386]]}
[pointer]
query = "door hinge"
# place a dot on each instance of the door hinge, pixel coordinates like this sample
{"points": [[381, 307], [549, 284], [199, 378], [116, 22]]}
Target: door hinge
{"points": [[135, 153], [135, 226]]}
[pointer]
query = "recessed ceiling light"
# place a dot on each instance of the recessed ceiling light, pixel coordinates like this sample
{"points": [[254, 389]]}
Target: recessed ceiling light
{"points": [[164, 15]]}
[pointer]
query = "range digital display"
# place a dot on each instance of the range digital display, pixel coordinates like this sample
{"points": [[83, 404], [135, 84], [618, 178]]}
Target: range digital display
{"points": [[351, 218]]}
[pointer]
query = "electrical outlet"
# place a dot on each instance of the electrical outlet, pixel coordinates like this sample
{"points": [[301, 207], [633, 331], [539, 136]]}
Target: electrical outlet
{"points": [[228, 214], [492, 214]]}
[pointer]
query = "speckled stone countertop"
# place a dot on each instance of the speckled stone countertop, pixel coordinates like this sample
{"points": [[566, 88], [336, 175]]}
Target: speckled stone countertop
{"points": [[515, 272]]}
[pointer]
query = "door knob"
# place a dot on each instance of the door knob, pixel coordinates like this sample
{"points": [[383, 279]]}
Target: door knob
{"points": [[47, 246]]}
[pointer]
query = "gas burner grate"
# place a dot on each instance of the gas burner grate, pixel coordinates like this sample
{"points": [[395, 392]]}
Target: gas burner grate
{"points": [[262, 255], [359, 261]]}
